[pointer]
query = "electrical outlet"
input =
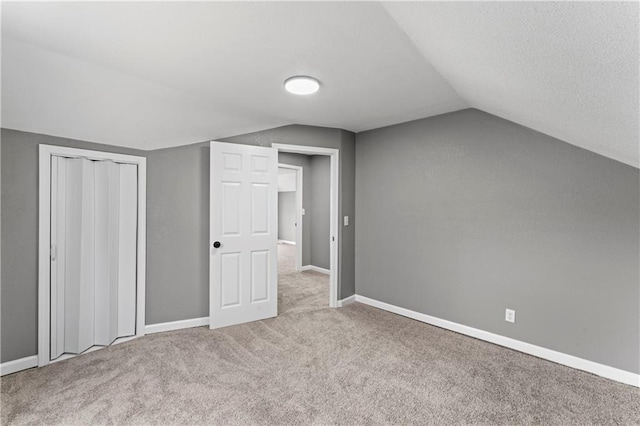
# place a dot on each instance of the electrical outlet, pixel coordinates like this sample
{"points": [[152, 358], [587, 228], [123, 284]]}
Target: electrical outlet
{"points": [[510, 315]]}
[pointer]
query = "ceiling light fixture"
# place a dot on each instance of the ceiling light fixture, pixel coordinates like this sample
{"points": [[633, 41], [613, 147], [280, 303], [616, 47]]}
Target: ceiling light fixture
{"points": [[301, 85]]}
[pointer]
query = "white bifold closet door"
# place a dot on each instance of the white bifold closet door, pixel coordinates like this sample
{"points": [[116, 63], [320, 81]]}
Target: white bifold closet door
{"points": [[93, 262]]}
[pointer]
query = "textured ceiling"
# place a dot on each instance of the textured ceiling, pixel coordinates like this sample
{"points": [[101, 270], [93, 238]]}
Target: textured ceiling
{"points": [[567, 69], [152, 75]]}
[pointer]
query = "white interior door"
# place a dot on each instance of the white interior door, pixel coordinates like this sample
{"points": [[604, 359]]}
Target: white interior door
{"points": [[243, 230]]}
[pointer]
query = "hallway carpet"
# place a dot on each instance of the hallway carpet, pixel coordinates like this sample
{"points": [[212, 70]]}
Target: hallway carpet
{"points": [[299, 291], [313, 365]]}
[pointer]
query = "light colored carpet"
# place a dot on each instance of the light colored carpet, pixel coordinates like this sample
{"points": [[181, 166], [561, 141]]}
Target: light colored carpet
{"points": [[354, 365], [299, 291]]}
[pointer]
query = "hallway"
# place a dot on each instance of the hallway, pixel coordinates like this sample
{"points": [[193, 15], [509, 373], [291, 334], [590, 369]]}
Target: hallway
{"points": [[299, 291]]}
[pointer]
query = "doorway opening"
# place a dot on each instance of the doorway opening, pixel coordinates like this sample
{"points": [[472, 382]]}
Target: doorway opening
{"points": [[307, 227], [243, 225]]}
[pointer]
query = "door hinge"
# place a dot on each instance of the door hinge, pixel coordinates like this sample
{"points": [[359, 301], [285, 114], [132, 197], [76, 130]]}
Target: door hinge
{"points": [[52, 252]]}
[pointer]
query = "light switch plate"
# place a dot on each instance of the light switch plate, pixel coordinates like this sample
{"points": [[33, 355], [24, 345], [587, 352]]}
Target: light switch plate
{"points": [[346, 221]]}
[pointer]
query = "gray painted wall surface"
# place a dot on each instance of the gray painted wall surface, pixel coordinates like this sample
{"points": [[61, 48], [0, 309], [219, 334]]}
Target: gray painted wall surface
{"points": [[19, 187], [178, 205], [347, 208], [320, 211], [463, 215], [287, 216], [178, 234], [303, 161], [177, 285], [178, 210]]}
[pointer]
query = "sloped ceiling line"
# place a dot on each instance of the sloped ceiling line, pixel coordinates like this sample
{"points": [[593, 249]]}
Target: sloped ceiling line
{"points": [[214, 69], [566, 69]]}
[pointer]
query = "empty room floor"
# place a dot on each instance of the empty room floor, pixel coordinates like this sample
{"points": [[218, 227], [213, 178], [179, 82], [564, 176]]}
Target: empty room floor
{"points": [[313, 365]]}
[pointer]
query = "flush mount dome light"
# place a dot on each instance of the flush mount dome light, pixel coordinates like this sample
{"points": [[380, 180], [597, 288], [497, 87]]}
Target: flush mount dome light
{"points": [[301, 85]]}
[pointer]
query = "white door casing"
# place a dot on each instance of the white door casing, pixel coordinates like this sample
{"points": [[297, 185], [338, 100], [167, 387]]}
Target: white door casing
{"points": [[243, 276]]}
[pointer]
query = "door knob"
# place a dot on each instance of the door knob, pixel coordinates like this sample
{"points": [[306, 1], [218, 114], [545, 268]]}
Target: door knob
{"points": [[217, 244]]}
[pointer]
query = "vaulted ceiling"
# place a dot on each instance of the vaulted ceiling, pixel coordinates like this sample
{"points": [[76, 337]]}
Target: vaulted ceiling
{"points": [[158, 74]]}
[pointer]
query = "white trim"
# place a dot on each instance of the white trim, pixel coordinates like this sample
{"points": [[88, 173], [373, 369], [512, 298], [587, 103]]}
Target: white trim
{"points": [[346, 301], [123, 340], [44, 236], [44, 245], [141, 279], [606, 371], [66, 356], [299, 217], [176, 325], [334, 203], [94, 348], [304, 149], [291, 243], [18, 365], [316, 269]]}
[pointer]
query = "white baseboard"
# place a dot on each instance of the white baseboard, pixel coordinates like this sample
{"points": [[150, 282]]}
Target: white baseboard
{"points": [[293, 243], [94, 348], [18, 365], [606, 371], [315, 268], [346, 301], [124, 339], [176, 325]]}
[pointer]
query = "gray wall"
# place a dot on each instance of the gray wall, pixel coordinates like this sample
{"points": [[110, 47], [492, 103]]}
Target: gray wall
{"points": [[178, 210], [320, 212], [459, 216], [177, 234], [287, 216], [177, 226], [463, 215], [347, 208], [19, 187]]}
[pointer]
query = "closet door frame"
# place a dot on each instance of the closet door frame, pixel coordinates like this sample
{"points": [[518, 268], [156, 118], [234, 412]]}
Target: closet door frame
{"points": [[44, 236]]}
